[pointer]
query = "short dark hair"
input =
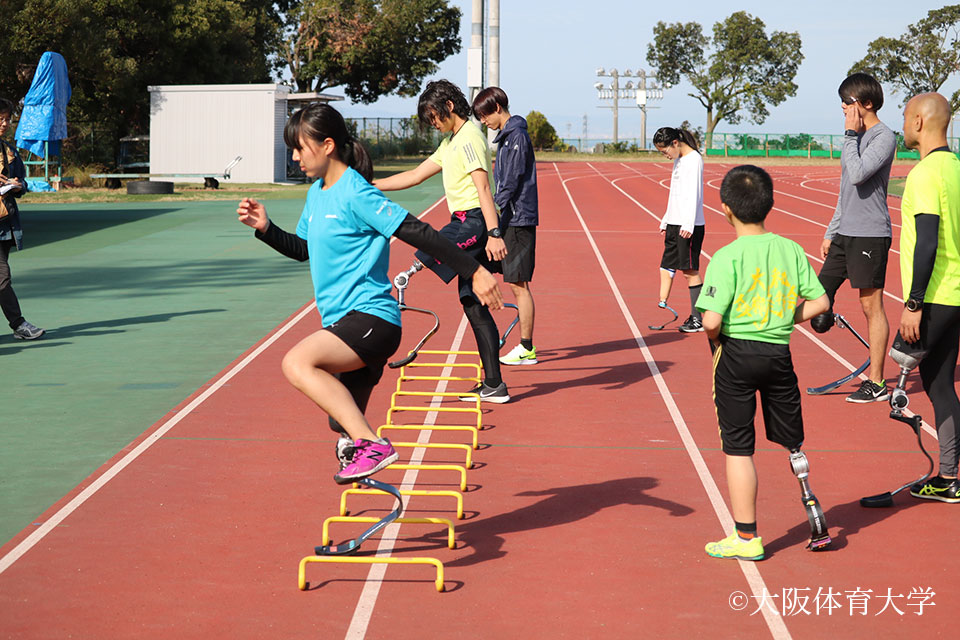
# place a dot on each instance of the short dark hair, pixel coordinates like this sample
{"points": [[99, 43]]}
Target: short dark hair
{"points": [[434, 100], [748, 191], [6, 106], [864, 87], [487, 101]]}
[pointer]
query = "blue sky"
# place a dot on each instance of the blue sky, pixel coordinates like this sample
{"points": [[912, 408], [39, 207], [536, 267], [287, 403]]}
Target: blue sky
{"points": [[550, 50]]}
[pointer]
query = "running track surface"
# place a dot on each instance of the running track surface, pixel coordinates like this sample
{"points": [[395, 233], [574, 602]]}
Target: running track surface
{"points": [[594, 493]]}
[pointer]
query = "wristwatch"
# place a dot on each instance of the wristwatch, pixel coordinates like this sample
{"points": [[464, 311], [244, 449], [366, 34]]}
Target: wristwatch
{"points": [[851, 132], [494, 233], [912, 304]]}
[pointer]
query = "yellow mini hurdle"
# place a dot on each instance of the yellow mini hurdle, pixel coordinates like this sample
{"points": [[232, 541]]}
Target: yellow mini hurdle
{"points": [[302, 573], [451, 542], [404, 492]]}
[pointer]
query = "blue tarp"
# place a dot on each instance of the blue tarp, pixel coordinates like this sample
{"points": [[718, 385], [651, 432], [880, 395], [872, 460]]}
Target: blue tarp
{"points": [[44, 115]]}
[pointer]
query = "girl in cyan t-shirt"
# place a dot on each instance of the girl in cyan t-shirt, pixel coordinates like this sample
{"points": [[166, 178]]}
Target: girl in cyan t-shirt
{"points": [[344, 231]]}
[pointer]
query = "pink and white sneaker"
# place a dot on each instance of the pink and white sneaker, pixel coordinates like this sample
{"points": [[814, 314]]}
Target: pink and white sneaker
{"points": [[368, 458]]}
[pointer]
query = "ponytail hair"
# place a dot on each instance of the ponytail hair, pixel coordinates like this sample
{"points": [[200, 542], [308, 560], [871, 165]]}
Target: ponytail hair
{"points": [[319, 121], [666, 136]]}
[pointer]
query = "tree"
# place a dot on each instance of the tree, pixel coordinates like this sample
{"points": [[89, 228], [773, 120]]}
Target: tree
{"points": [[920, 60], [746, 72], [115, 49], [370, 47], [542, 133]]}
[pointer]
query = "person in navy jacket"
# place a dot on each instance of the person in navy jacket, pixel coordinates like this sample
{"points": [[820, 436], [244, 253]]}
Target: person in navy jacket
{"points": [[515, 175]]}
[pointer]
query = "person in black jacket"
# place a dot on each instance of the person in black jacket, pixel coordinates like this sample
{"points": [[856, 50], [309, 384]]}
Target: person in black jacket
{"points": [[13, 184], [515, 175]]}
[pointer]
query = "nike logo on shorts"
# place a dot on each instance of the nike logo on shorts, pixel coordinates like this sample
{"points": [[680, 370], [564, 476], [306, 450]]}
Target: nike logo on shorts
{"points": [[367, 334]]}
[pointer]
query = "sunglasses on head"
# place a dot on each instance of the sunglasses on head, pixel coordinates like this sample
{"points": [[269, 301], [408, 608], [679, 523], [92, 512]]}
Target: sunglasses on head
{"points": [[849, 100]]}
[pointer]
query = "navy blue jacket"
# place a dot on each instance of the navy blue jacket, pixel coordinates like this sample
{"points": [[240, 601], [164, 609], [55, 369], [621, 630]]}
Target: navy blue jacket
{"points": [[515, 175]]}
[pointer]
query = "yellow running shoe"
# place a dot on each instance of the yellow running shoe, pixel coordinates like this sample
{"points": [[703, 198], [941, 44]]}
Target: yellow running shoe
{"points": [[733, 547]]}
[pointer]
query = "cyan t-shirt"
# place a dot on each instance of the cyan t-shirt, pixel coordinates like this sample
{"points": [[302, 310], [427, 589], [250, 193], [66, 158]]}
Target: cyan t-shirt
{"points": [[754, 283], [347, 228]]}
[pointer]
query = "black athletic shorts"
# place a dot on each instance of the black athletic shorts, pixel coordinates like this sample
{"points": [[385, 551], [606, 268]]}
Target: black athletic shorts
{"points": [[372, 338], [521, 254], [467, 230], [741, 369], [861, 260], [681, 253]]}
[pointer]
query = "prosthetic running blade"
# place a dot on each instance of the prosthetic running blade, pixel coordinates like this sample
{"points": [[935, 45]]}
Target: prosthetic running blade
{"points": [[352, 546], [659, 327], [503, 339], [885, 499], [816, 391]]}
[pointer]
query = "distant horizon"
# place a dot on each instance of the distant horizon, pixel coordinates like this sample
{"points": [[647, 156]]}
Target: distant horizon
{"points": [[830, 48]]}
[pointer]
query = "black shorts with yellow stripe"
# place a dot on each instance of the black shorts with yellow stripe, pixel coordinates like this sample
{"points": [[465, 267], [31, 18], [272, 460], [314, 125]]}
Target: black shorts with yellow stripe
{"points": [[741, 370]]}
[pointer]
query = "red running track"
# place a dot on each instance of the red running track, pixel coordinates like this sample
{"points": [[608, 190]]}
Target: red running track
{"points": [[595, 491]]}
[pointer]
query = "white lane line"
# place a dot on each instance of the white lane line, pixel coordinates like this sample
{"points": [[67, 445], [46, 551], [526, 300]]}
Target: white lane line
{"points": [[774, 622], [371, 588], [30, 541], [27, 543]]}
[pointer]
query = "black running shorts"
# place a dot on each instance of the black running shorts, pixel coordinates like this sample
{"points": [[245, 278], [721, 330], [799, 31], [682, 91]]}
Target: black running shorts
{"points": [[467, 230], [521, 254], [861, 260], [741, 369], [372, 338], [681, 253]]}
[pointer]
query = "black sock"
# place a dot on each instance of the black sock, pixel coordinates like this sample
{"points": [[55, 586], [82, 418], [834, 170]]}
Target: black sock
{"points": [[694, 294], [527, 344], [488, 340], [746, 530]]}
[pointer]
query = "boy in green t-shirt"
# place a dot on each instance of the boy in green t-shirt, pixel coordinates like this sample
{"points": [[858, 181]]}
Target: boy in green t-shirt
{"points": [[754, 290]]}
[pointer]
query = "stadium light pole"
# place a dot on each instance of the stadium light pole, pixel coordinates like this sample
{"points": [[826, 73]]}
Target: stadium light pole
{"points": [[642, 93]]}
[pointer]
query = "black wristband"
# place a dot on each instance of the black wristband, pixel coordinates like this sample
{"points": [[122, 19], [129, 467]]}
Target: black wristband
{"points": [[851, 132]]}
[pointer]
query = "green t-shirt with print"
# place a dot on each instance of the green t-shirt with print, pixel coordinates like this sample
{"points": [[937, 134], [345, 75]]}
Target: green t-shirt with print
{"points": [[754, 283]]}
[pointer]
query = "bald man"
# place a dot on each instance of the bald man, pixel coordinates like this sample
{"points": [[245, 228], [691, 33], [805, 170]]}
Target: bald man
{"points": [[930, 273]]}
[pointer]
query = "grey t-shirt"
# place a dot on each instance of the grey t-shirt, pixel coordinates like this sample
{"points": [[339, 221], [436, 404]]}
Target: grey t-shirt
{"points": [[862, 206]]}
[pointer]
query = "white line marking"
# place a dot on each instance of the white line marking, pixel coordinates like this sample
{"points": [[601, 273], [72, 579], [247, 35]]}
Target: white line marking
{"points": [[30, 541], [371, 588], [121, 464], [775, 623]]}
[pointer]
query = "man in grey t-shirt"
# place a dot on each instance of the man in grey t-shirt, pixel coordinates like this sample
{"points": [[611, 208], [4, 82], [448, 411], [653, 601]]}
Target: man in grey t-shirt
{"points": [[858, 237]]}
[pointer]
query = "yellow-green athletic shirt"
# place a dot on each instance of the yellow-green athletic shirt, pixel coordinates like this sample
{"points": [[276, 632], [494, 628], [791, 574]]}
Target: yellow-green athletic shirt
{"points": [[933, 186], [458, 156], [754, 283]]}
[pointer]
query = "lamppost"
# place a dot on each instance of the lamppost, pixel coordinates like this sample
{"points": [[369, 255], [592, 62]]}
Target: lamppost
{"points": [[642, 93]]}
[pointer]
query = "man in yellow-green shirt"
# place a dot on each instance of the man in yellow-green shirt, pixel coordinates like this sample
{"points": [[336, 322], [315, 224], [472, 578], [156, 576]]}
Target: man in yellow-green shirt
{"points": [[930, 272], [464, 158]]}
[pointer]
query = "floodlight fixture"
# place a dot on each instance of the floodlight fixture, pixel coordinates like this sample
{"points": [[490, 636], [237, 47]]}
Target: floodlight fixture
{"points": [[601, 72]]}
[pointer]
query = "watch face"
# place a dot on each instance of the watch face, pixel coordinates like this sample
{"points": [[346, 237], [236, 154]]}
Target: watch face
{"points": [[914, 305], [494, 233]]}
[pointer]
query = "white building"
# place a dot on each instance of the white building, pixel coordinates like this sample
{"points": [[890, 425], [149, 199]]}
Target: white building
{"points": [[196, 129]]}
